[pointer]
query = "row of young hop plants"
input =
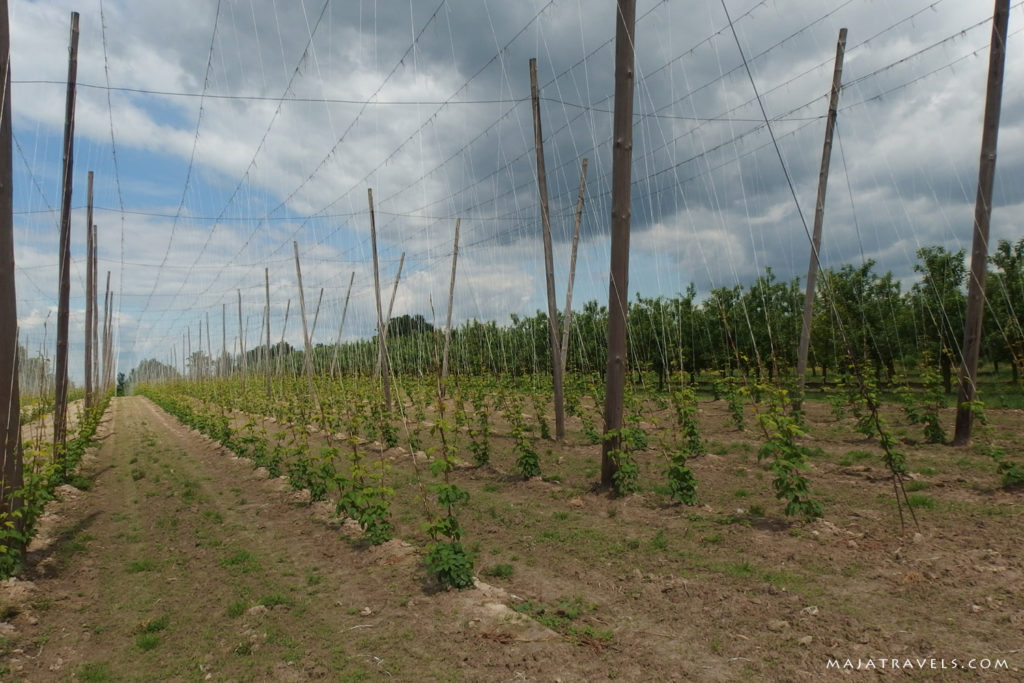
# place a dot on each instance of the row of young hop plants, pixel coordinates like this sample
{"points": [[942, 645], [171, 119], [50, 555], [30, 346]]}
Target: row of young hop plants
{"points": [[336, 438], [44, 468]]}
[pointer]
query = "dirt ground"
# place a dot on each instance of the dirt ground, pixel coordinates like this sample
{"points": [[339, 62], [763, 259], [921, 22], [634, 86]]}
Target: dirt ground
{"points": [[182, 562]]}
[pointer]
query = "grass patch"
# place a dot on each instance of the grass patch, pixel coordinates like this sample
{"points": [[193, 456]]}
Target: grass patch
{"points": [[276, 599], [561, 618], [500, 571], [855, 456], [241, 562], [214, 516], [154, 625], [917, 485], [920, 500], [94, 672], [236, 609], [147, 641], [138, 566]]}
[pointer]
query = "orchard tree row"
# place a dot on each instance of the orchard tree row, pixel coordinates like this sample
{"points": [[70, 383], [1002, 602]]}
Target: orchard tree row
{"points": [[861, 316]]}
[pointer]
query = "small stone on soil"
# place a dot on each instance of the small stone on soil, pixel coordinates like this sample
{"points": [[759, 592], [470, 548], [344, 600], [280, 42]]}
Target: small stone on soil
{"points": [[778, 625]]}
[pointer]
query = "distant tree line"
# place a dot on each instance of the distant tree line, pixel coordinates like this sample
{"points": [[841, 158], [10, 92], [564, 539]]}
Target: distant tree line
{"points": [[861, 317]]}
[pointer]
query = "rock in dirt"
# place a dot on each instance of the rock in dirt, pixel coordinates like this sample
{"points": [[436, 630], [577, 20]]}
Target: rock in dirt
{"points": [[257, 611], [806, 640], [810, 610], [777, 625]]}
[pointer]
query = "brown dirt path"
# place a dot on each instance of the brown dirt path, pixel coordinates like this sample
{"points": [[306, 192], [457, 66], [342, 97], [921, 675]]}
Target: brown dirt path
{"points": [[183, 563]]}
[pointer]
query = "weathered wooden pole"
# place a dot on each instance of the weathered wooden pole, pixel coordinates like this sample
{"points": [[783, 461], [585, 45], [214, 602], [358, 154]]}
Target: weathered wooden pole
{"points": [[223, 365], [307, 363], [95, 310], [982, 218], [107, 306], [284, 332], [385, 371], [618, 280], [241, 338], [89, 285], [266, 316], [391, 306], [549, 264], [451, 302], [341, 326], [11, 468], [316, 315], [567, 318], [209, 347], [819, 218], [60, 409]]}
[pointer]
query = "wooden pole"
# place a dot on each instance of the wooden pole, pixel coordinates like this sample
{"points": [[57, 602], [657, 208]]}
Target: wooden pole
{"points": [[95, 310], [89, 285], [344, 312], [567, 318], [982, 218], [316, 316], [209, 348], [391, 306], [60, 410], [241, 338], [284, 331], [308, 357], [266, 316], [105, 383], [11, 468], [618, 280], [451, 302], [223, 340], [819, 218], [112, 379], [385, 372], [549, 266]]}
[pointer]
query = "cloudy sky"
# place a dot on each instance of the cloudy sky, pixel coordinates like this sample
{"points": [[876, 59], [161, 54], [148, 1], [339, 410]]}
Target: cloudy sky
{"points": [[221, 132]]}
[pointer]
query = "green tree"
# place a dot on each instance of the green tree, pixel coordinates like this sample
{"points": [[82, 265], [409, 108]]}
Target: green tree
{"points": [[940, 305], [1004, 338]]}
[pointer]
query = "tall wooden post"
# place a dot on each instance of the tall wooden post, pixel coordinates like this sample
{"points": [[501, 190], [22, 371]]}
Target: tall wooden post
{"points": [[105, 353], [224, 340], [95, 310], [341, 326], [284, 332], [618, 280], [307, 364], [316, 316], [89, 285], [241, 338], [819, 218], [266, 315], [60, 410], [451, 302], [391, 307], [385, 371], [982, 218], [567, 318], [549, 264], [11, 472], [209, 348]]}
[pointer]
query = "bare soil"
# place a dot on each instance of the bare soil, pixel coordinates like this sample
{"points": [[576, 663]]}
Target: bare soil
{"points": [[182, 562]]}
